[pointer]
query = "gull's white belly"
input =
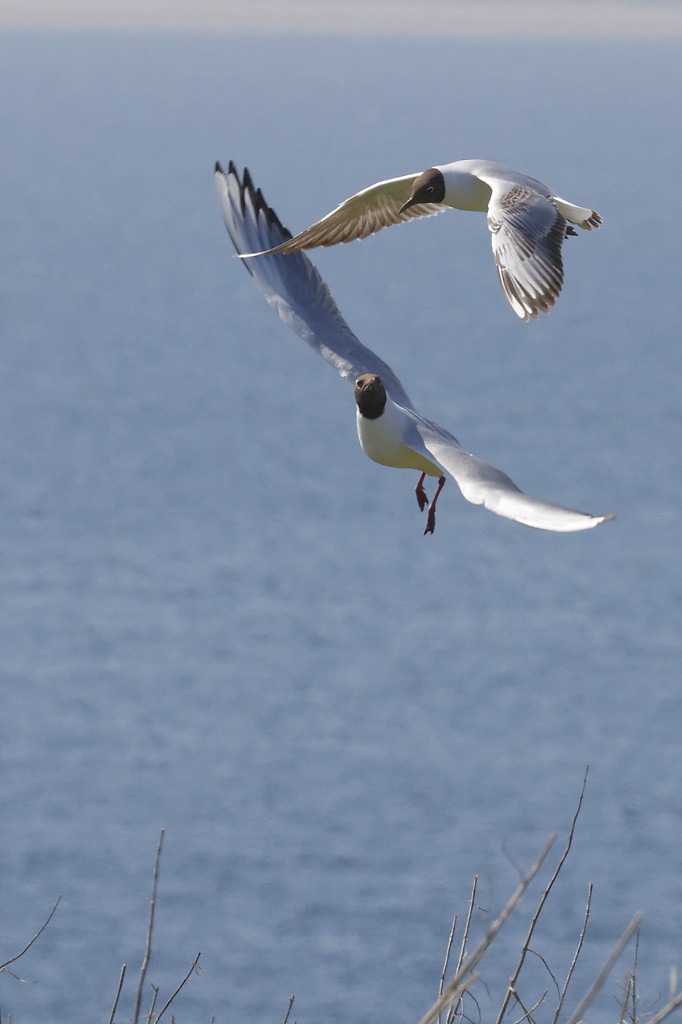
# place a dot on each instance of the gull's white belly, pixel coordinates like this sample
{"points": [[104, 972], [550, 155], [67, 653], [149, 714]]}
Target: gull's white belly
{"points": [[383, 441]]}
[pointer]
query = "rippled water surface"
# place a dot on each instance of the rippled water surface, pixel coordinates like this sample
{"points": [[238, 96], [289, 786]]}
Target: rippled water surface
{"points": [[218, 617]]}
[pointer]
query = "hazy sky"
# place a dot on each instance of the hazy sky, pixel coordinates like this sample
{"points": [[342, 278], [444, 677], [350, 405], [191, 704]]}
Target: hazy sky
{"points": [[582, 20]]}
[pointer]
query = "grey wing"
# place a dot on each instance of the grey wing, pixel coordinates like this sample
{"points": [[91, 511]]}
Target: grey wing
{"points": [[293, 286], [527, 235], [363, 214], [482, 484]]}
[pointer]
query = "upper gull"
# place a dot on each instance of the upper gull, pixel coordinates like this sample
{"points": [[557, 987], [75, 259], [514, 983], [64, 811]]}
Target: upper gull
{"points": [[527, 221]]}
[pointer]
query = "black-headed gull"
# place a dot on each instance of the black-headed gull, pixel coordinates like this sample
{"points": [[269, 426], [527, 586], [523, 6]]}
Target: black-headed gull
{"points": [[527, 221], [390, 429]]}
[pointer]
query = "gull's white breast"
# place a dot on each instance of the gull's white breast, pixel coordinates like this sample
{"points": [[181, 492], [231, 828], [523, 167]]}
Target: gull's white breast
{"points": [[393, 440]]}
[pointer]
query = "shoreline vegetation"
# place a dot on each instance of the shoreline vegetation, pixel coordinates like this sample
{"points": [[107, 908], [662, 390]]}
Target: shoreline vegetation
{"points": [[457, 1000]]}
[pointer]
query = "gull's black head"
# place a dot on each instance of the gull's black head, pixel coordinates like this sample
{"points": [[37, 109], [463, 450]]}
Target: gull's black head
{"points": [[428, 187], [370, 395]]}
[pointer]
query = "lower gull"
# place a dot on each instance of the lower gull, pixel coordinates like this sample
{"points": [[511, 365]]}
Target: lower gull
{"points": [[391, 431]]}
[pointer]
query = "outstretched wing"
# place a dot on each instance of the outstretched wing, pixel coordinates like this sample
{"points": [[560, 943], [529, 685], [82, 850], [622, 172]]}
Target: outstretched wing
{"points": [[293, 286], [363, 214], [482, 484], [527, 235]]}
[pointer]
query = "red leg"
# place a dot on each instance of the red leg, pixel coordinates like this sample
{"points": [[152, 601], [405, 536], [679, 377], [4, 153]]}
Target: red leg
{"points": [[421, 493], [431, 517]]}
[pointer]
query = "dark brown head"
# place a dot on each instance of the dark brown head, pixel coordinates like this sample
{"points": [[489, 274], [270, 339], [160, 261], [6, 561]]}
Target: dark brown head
{"points": [[370, 395], [428, 187]]}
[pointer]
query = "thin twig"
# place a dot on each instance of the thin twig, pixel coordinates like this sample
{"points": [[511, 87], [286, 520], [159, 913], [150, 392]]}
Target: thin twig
{"points": [[286, 1017], [37, 935], [527, 1013], [515, 976], [546, 966], [448, 950], [627, 989], [634, 979], [476, 1003], [467, 924], [606, 970], [194, 968], [150, 929], [575, 956], [118, 994], [463, 977], [667, 1009], [447, 955], [155, 996], [455, 1008]]}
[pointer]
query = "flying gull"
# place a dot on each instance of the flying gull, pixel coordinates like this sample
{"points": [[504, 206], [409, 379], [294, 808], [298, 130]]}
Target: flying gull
{"points": [[390, 429], [528, 223]]}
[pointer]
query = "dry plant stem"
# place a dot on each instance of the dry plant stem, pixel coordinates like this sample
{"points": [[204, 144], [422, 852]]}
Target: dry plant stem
{"points": [[150, 929], [515, 976], [575, 957], [527, 1014], [446, 961], [193, 968], [544, 963], [634, 977], [155, 996], [464, 976], [447, 956], [118, 994], [606, 970], [291, 1003], [467, 925], [667, 1009], [37, 935], [627, 991], [454, 1010]]}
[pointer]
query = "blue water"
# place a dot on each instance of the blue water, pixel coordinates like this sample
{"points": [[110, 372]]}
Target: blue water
{"points": [[220, 618]]}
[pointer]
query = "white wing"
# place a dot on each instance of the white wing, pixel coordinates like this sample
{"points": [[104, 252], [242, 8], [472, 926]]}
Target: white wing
{"points": [[482, 484], [527, 235], [363, 214], [294, 288]]}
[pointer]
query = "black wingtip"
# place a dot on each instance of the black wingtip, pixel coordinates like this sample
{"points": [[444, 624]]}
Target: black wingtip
{"points": [[257, 199], [218, 169]]}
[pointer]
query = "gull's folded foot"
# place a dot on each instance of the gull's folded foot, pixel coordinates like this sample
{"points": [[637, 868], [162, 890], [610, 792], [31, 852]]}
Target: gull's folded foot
{"points": [[421, 493], [431, 517]]}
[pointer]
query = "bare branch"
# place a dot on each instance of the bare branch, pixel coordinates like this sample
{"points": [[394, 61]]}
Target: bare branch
{"points": [[515, 976], [574, 960], [448, 950], [634, 979], [118, 994], [455, 1008], [627, 991], [155, 996], [467, 925], [527, 1013], [193, 969], [291, 1004], [667, 1009], [606, 969], [286, 1017], [36, 936], [546, 966], [150, 929], [463, 977]]}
